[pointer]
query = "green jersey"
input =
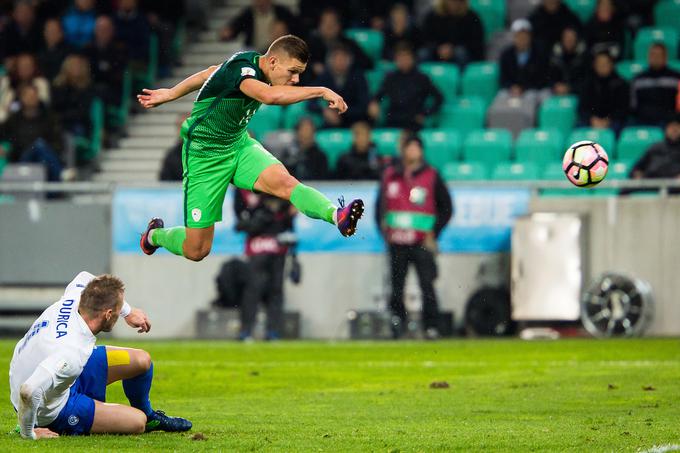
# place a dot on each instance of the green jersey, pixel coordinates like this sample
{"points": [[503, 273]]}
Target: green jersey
{"points": [[221, 112]]}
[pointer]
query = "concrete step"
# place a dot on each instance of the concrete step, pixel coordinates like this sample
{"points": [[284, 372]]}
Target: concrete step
{"points": [[206, 58], [29, 297], [226, 48], [147, 142], [177, 107], [126, 177], [154, 117], [153, 130], [187, 70], [132, 165], [134, 154]]}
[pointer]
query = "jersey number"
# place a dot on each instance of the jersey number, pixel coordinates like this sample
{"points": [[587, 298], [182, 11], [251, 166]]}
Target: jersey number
{"points": [[249, 115]]}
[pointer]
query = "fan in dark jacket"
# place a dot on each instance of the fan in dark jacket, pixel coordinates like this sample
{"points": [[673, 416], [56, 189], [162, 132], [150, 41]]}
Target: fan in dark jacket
{"points": [[549, 20], [568, 62], [303, 158], [654, 91], [453, 32], [255, 23], [361, 162], [606, 29], [400, 28], [661, 160], [522, 65], [51, 57], [604, 97]]}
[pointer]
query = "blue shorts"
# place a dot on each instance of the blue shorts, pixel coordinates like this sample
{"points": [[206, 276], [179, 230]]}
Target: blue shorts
{"points": [[78, 414]]}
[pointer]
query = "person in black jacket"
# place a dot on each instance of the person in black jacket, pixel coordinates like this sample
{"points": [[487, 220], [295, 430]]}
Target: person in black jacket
{"points": [[453, 32], [22, 33], [55, 51], [662, 159], [413, 207], [72, 95], [361, 162], [606, 29], [654, 91], [548, 21], [568, 62], [411, 94], [522, 65], [604, 97], [256, 21], [303, 158], [348, 82], [400, 28]]}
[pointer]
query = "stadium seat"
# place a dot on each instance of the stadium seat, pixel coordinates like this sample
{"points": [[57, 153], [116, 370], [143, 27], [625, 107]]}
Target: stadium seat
{"points": [[553, 172], [649, 35], [604, 137], [464, 115], [370, 41], [387, 140], [441, 146], [487, 146], [514, 113], [480, 79], [492, 14], [266, 119], [464, 171], [667, 14], [634, 141], [630, 68], [584, 9], [445, 77], [558, 112], [334, 142], [618, 170], [375, 78], [539, 145], [295, 112], [515, 171]]}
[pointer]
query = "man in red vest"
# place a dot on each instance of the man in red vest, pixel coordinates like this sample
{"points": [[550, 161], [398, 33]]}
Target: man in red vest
{"points": [[413, 207]]}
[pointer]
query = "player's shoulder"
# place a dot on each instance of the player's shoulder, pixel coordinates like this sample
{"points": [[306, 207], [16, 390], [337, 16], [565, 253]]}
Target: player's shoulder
{"points": [[244, 64]]}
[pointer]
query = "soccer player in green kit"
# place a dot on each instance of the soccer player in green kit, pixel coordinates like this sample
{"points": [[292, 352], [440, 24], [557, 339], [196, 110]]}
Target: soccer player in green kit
{"points": [[218, 150]]}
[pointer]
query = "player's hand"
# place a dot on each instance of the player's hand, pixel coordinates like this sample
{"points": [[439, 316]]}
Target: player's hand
{"points": [[138, 319], [44, 433], [335, 101], [153, 98]]}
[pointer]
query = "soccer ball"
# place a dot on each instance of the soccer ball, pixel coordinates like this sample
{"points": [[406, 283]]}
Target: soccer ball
{"points": [[585, 163]]}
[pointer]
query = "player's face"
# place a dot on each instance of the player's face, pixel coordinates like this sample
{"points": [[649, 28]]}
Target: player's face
{"points": [[286, 70], [110, 317]]}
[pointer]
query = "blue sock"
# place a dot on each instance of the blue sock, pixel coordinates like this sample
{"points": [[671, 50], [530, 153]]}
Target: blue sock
{"points": [[137, 390]]}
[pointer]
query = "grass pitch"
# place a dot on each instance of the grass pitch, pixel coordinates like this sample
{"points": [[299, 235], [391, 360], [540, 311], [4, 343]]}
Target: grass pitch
{"points": [[509, 395]]}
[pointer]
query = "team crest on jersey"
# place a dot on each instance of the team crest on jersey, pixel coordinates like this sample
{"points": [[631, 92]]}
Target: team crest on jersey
{"points": [[73, 420], [245, 71], [196, 214]]}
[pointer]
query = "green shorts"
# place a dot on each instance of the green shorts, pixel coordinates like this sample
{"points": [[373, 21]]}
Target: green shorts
{"points": [[207, 176]]}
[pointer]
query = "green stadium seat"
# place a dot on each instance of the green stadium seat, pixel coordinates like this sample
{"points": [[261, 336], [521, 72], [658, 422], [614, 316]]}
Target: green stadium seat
{"points": [[88, 147], [617, 170], [558, 112], [492, 14], [267, 118], [634, 141], [667, 14], [117, 115], [370, 41], [539, 145], [605, 137], [465, 171], [387, 140], [584, 9], [333, 143], [488, 146], [293, 113], [445, 77], [441, 146], [375, 78], [515, 171], [463, 115], [481, 79], [649, 35], [630, 68]]}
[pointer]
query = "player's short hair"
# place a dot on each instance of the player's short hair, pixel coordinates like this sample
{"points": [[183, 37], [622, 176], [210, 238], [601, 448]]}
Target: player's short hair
{"points": [[102, 293], [293, 46]]}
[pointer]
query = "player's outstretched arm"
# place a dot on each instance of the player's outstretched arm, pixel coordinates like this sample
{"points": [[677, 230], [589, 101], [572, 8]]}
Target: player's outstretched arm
{"points": [[153, 98], [285, 94]]}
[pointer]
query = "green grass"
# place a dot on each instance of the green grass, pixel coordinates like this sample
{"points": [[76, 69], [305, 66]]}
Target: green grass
{"points": [[569, 395]]}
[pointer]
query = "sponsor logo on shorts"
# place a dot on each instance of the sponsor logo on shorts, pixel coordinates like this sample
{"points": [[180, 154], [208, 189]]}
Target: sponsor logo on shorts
{"points": [[196, 214], [73, 420]]}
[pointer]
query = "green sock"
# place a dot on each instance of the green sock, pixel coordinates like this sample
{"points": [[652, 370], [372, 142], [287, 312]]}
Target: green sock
{"points": [[170, 238], [312, 203]]}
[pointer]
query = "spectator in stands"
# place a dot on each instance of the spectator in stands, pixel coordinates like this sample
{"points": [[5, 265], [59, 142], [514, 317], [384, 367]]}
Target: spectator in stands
{"points": [[453, 32], [568, 62], [605, 30], [349, 83], [414, 193], [256, 22], [303, 158], [25, 70], [661, 160], [22, 33], [548, 21], [655, 90], [604, 97], [55, 51], [171, 169], [399, 28], [361, 162], [522, 65], [72, 95], [79, 22], [328, 35], [280, 28], [164, 17], [33, 133], [134, 32], [411, 94]]}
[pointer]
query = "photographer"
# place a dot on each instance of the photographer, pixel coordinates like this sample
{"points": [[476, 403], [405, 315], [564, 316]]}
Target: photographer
{"points": [[268, 222]]}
